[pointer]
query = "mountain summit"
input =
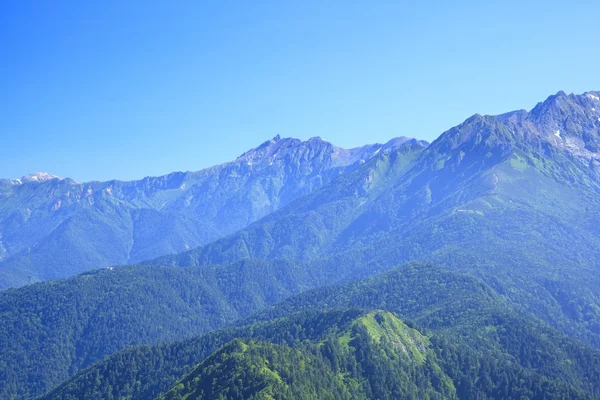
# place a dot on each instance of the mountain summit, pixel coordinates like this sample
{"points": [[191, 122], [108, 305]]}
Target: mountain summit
{"points": [[331, 156], [568, 121], [38, 177]]}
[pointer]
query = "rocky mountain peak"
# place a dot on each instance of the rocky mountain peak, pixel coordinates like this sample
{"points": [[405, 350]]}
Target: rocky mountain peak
{"points": [[271, 148], [570, 122], [593, 95], [291, 149], [567, 122], [553, 106]]}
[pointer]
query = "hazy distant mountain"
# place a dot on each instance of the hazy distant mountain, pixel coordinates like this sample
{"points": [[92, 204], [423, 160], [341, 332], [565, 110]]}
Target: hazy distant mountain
{"points": [[52, 228]]}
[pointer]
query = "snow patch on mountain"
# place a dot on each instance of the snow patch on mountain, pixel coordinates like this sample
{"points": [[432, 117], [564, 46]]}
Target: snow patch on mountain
{"points": [[38, 177]]}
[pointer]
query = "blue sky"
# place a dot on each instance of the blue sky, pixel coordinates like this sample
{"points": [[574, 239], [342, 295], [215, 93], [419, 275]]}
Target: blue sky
{"points": [[126, 89]]}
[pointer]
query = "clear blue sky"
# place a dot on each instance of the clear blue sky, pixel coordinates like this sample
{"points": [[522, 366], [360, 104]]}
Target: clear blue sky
{"points": [[126, 89]]}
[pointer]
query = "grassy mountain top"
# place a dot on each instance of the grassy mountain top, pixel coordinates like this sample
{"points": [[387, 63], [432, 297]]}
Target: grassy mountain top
{"points": [[379, 357]]}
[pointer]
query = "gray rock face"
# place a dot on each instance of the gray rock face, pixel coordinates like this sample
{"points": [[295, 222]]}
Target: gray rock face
{"points": [[570, 122]]}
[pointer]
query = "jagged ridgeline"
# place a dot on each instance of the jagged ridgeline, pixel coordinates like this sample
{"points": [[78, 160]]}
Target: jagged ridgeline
{"points": [[512, 199], [53, 228]]}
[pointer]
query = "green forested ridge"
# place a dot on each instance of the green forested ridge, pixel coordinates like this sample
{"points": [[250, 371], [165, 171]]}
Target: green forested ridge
{"points": [[377, 357], [96, 314], [67, 325], [485, 349], [50, 330], [143, 372], [459, 307]]}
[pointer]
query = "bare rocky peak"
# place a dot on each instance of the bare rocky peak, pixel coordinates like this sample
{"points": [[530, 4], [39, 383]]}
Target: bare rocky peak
{"points": [[295, 149], [569, 122]]}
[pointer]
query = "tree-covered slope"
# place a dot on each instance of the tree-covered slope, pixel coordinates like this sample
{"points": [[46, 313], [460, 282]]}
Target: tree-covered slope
{"points": [[52, 228], [51, 330], [376, 357], [457, 306], [144, 372], [486, 349]]}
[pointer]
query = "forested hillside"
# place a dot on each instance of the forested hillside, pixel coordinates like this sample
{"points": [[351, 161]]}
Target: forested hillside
{"points": [[471, 327], [67, 325], [365, 347], [376, 357]]}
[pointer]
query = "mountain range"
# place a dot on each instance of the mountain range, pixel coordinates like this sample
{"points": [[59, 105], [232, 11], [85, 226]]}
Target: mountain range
{"points": [[483, 245], [499, 197], [53, 228]]}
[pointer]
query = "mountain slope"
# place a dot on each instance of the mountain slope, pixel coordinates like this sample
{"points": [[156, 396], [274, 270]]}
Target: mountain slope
{"points": [[377, 357], [487, 370], [500, 197], [52, 228], [51, 330], [493, 198], [304, 228], [68, 325], [458, 307], [485, 157]]}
